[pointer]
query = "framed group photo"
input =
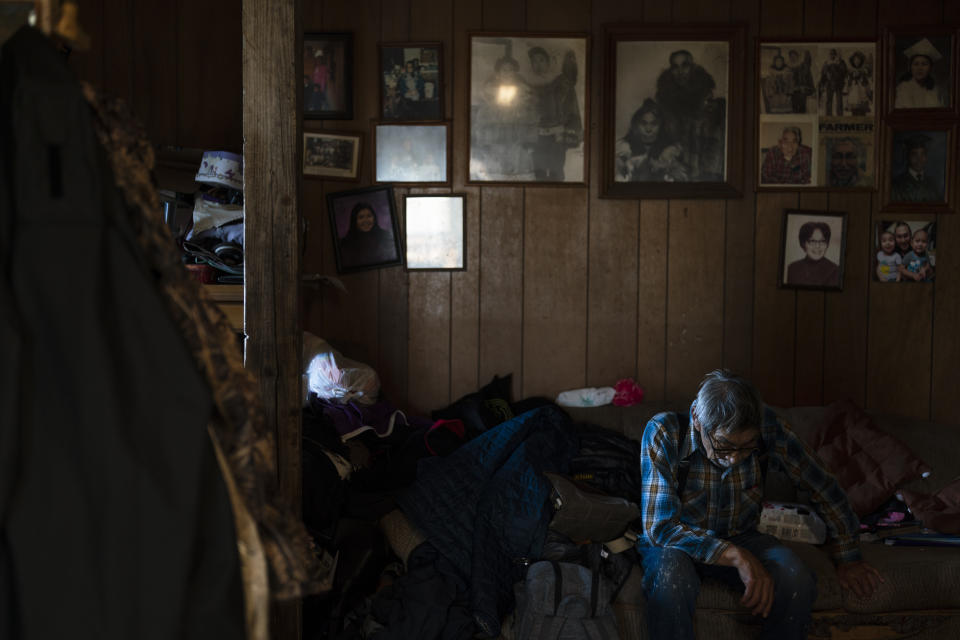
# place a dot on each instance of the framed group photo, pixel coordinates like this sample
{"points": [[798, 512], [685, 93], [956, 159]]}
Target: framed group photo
{"points": [[411, 81], [528, 108], [406, 153], [435, 232], [328, 76], [818, 115], [905, 250], [921, 65], [920, 168], [332, 155], [673, 98], [365, 230], [812, 249]]}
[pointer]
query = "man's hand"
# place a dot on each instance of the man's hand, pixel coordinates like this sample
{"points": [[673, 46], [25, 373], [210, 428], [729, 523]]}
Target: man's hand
{"points": [[860, 577], [758, 593]]}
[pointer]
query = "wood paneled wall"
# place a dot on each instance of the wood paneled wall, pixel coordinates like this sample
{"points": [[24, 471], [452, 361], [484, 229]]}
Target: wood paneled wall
{"points": [[565, 289], [177, 63]]}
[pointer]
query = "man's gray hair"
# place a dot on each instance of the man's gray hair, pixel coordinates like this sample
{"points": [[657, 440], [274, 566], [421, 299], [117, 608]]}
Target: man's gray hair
{"points": [[728, 402]]}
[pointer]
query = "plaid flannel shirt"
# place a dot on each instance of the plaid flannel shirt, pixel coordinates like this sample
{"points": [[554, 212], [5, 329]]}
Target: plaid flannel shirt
{"points": [[721, 503]]}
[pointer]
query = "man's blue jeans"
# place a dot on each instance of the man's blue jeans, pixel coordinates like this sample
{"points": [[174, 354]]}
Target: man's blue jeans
{"points": [[671, 582]]}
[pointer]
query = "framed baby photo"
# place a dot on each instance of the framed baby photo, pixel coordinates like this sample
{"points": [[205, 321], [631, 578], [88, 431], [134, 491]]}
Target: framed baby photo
{"points": [[920, 168], [328, 76], [408, 153], [364, 227], [411, 81], [905, 250], [332, 155], [674, 107], [812, 249], [528, 108], [921, 70], [435, 232]]}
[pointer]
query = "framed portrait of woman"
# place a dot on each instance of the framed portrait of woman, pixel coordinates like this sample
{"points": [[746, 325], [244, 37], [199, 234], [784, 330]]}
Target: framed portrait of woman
{"points": [[674, 102], [921, 64], [812, 249], [364, 227]]}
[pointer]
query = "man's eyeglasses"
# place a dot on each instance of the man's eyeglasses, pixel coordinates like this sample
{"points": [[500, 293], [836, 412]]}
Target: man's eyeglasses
{"points": [[724, 451]]}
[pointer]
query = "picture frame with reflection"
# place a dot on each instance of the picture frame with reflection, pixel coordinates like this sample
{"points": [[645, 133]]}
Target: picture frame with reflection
{"points": [[435, 232]]}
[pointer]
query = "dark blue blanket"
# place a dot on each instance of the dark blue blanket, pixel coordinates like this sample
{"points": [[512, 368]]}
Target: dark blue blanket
{"points": [[485, 506]]}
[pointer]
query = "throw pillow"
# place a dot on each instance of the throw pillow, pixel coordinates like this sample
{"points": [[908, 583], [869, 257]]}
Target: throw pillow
{"points": [[941, 511], [869, 463]]}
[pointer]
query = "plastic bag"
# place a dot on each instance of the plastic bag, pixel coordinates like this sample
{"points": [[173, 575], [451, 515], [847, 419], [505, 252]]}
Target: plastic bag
{"points": [[333, 377]]}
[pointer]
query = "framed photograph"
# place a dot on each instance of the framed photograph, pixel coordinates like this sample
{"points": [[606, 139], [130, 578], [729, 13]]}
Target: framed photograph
{"points": [[905, 251], [674, 104], [921, 68], [328, 76], [364, 227], [332, 155], [818, 115], [528, 108], [812, 250], [435, 232], [412, 153], [411, 81], [920, 169]]}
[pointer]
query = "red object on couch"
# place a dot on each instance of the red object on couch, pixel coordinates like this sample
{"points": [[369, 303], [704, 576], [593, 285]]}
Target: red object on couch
{"points": [[869, 463]]}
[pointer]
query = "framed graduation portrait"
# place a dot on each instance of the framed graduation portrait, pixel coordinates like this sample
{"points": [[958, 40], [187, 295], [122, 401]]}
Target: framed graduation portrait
{"points": [[674, 100], [921, 63], [920, 169]]}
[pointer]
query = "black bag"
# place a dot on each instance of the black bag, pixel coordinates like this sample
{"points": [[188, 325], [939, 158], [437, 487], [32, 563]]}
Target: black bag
{"points": [[583, 515], [563, 601]]}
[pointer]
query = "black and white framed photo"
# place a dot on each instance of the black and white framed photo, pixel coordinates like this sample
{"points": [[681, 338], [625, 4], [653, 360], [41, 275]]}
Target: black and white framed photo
{"points": [[411, 81], [674, 100], [332, 155], [366, 234], [812, 249], [435, 232], [418, 153], [817, 105], [921, 65], [328, 76], [528, 108], [905, 250], [920, 169]]}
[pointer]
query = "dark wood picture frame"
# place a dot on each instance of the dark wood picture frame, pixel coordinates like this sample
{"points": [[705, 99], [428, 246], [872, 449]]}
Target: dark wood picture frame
{"points": [[411, 81], [328, 76], [689, 152], [528, 108], [805, 261], [425, 233], [332, 155], [939, 139], [904, 95], [827, 91], [412, 153], [352, 248]]}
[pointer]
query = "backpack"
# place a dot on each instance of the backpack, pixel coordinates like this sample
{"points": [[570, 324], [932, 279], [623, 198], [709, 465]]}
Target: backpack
{"points": [[564, 601]]}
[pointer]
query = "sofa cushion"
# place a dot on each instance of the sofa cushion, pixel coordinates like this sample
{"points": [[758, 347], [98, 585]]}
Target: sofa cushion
{"points": [[869, 463]]}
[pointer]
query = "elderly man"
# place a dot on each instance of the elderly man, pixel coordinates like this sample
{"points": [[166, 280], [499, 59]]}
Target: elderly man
{"points": [[844, 155], [788, 162], [703, 475]]}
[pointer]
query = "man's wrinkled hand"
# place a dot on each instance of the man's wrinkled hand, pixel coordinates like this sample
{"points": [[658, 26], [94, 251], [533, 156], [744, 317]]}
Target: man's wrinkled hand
{"points": [[860, 577]]}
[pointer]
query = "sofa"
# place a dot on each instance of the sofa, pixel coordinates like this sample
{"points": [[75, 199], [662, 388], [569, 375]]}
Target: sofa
{"points": [[920, 598]]}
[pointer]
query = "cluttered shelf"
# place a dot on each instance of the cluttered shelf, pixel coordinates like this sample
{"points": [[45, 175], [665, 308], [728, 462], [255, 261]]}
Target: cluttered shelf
{"points": [[202, 197]]}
